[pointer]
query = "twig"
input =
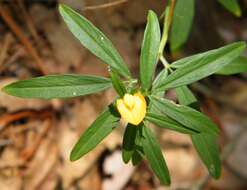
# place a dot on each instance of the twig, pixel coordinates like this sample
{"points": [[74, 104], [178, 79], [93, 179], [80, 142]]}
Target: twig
{"points": [[28, 21], [4, 48], [9, 118], [103, 6], [22, 37]]}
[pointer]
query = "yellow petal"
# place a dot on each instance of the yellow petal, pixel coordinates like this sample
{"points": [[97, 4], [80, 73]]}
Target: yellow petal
{"points": [[124, 111], [129, 100], [138, 94], [139, 110], [132, 108]]}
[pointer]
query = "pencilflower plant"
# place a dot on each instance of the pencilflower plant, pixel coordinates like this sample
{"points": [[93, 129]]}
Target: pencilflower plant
{"points": [[140, 101]]}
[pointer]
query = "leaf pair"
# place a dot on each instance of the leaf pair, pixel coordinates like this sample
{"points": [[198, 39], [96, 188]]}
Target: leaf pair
{"points": [[203, 140], [67, 86], [140, 141], [132, 146], [193, 120], [183, 119]]}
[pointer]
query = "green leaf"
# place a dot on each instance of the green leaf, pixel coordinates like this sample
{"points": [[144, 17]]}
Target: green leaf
{"points": [[238, 65], [232, 6], [129, 142], [186, 97], [138, 153], [191, 59], [99, 129], [160, 78], [93, 39], [202, 65], [185, 115], [149, 51], [207, 149], [205, 144], [154, 156], [136, 157], [117, 84], [168, 123], [181, 24], [57, 86]]}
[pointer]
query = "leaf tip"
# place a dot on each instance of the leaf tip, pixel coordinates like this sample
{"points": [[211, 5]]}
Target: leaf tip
{"points": [[151, 12], [73, 156], [6, 89], [152, 15], [126, 157], [168, 182], [62, 8], [215, 171], [241, 44]]}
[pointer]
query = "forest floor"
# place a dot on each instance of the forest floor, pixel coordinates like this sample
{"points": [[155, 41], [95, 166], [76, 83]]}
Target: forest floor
{"points": [[36, 136]]}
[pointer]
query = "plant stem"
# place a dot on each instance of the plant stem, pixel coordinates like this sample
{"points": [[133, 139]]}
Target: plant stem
{"points": [[167, 23], [165, 63]]}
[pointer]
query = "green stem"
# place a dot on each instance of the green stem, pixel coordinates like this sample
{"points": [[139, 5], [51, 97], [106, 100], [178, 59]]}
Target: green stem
{"points": [[165, 63], [167, 23]]}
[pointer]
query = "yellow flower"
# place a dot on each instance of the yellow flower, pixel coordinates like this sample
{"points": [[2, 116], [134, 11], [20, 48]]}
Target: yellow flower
{"points": [[132, 108]]}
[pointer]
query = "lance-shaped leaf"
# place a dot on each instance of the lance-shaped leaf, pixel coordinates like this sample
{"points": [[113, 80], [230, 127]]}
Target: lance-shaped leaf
{"points": [[57, 86], [117, 84], [186, 97], [149, 51], [238, 65], [181, 23], [99, 129], [190, 59], [232, 6], [160, 78], [201, 66], [154, 156], [93, 39], [137, 156], [129, 142], [138, 153], [205, 144], [168, 123], [185, 115]]}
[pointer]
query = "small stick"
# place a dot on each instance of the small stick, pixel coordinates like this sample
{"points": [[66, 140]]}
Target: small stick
{"points": [[9, 118], [103, 6], [4, 48], [28, 21], [21, 36]]}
